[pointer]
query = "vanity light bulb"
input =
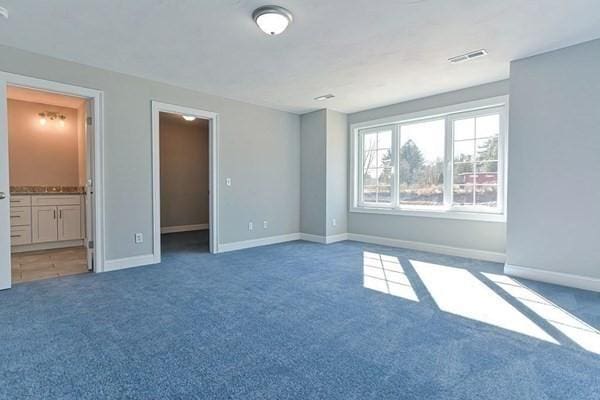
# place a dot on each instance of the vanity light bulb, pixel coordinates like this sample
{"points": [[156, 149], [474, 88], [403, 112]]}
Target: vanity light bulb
{"points": [[61, 123], [43, 121]]}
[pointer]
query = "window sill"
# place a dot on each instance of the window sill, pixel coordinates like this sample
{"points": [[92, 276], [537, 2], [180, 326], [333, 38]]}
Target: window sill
{"points": [[444, 214]]}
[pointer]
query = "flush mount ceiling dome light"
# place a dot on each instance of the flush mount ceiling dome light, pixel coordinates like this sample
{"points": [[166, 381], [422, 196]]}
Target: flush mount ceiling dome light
{"points": [[272, 20], [189, 118]]}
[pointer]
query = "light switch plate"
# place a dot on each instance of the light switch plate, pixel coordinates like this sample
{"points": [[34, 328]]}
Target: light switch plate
{"points": [[139, 238]]}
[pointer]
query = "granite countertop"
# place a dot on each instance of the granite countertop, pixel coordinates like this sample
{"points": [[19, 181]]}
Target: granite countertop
{"points": [[46, 190]]}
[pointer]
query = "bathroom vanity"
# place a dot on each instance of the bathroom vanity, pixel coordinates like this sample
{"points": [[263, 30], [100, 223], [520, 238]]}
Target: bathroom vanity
{"points": [[42, 221]]}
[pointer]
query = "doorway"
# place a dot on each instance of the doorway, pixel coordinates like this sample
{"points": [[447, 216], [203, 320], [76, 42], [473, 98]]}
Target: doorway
{"points": [[49, 150], [184, 179]]}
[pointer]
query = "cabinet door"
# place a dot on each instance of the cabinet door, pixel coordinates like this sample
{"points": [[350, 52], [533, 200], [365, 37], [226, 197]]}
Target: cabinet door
{"points": [[44, 224], [69, 223]]}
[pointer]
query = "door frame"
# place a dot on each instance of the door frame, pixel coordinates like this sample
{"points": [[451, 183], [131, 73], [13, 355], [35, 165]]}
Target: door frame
{"points": [[213, 175], [97, 98]]}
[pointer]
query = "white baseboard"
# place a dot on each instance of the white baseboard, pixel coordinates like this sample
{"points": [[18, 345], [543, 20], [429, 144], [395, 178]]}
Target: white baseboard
{"points": [[246, 244], [128, 262], [324, 239], [46, 246], [312, 238], [336, 238], [184, 228], [430, 247], [557, 278]]}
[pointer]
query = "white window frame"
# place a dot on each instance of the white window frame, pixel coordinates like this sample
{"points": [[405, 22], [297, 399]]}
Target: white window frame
{"points": [[361, 134], [497, 104]]}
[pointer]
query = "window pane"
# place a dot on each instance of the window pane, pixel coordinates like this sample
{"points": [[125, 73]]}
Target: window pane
{"points": [[384, 158], [370, 177], [421, 163], [370, 142], [384, 139], [370, 194], [464, 150], [377, 166], [464, 129], [463, 195], [488, 126], [370, 160], [384, 194], [487, 149], [486, 195], [464, 173], [385, 177], [487, 173]]}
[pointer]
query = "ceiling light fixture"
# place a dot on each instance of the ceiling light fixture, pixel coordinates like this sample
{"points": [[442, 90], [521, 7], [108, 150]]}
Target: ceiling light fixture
{"points": [[272, 20], [468, 56], [189, 118], [325, 97]]}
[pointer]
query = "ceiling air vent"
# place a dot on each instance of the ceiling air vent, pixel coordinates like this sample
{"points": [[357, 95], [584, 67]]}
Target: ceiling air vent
{"points": [[469, 56], [325, 97]]}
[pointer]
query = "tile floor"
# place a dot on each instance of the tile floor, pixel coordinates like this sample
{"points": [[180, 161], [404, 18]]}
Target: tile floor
{"points": [[36, 265]]}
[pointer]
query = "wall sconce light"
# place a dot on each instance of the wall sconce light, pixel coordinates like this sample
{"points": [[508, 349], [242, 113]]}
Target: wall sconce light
{"points": [[52, 116]]}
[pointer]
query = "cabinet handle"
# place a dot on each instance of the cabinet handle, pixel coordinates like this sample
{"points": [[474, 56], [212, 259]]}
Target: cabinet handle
{"points": [[60, 214], [54, 212], [15, 236]]}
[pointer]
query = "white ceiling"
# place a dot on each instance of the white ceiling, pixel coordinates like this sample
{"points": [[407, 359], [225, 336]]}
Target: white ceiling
{"points": [[367, 52]]}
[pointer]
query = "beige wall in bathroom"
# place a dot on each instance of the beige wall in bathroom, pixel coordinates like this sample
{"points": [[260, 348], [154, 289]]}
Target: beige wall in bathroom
{"points": [[183, 171], [42, 155], [81, 143]]}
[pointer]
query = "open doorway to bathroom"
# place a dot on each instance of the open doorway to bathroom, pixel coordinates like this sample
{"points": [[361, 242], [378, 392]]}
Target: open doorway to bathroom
{"points": [[184, 171], [184, 186], [48, 174]]}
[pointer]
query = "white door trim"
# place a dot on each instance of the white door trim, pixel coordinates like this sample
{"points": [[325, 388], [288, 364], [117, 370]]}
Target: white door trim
{"points": [[97, 97], [213, 154]]}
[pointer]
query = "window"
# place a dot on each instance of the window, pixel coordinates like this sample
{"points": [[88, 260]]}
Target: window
{"points": [[421, 163], [447, 162], [377, 166]]}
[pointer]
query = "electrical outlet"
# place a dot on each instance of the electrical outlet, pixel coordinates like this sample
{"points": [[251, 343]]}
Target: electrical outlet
{"points": [[334, 222], [265, 224], [139, 238], [228, 181], [250, 226]]}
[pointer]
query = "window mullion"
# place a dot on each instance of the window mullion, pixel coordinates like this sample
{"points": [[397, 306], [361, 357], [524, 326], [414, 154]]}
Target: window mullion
{"points": [[360, 169], [448, 170], [396, 164]]}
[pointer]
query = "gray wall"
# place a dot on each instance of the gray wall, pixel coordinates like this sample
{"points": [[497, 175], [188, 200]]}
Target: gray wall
{"points": [[259, 151], [184, 168], [487, 236], [337, 173], [313, 166], [324, 153], [554, 161]]}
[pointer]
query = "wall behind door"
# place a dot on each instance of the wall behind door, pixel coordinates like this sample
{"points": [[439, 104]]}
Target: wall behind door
{"points": [[184, 171], [42, 155]]}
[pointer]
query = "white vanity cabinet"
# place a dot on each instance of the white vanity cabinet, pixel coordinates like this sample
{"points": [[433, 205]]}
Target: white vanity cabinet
{"points": [[44, 227], [53, 220], [69, 223]]}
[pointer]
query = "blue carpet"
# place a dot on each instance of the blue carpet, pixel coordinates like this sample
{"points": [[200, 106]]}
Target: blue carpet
{"points": [[289, 321]]}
